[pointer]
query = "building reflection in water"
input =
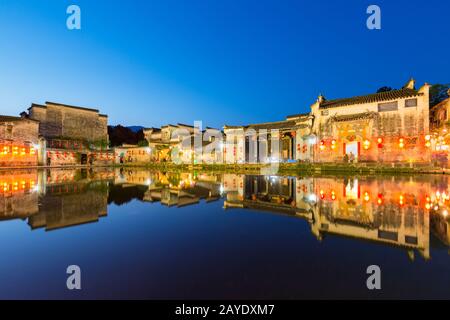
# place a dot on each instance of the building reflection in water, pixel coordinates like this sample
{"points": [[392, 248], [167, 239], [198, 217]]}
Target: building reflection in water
{"points": [[54, 199], [172, 189], [400, 211], [393, 211]]}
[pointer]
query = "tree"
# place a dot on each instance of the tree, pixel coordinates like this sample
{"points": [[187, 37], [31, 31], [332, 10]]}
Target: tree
{"points": [[384, 89], [119, 135], [143, 143], [438, 93]]}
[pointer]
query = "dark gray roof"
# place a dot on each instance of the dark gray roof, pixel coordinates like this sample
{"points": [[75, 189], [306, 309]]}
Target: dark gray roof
{"points": [[287, 124], [70, 106], [376, 97], [300, 115], [13, 119]]}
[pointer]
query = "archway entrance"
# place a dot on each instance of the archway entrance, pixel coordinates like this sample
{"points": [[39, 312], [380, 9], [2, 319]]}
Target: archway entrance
{"points": [[352, 150], [84, 158]]}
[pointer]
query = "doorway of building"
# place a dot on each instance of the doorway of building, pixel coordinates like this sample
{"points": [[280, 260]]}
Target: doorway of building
{"points": [[351, 150], [84, 158]]}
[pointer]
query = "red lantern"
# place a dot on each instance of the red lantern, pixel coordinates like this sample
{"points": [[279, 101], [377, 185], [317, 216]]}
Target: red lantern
{"points": [[380, 143], [322, 145], [380, 199]]}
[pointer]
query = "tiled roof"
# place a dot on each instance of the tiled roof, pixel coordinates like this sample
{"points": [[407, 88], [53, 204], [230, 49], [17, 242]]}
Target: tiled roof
{"points": [[12, 119], [288, 124], [274, 125], [35, 105], [376, 97], [9, 118], [300, 115], [154, 130]]}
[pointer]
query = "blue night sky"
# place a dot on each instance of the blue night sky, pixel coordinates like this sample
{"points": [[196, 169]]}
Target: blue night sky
{"points": [[220, 61]]}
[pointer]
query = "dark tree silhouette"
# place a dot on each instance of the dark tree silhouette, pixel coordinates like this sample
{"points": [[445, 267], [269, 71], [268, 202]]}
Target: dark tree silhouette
{"points": [[119, 135], [438, 93], [384, 89]]}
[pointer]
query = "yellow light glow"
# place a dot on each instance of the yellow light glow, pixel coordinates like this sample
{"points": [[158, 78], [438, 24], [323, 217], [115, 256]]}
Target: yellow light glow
{"points": [[322, 194], [366, 144]]}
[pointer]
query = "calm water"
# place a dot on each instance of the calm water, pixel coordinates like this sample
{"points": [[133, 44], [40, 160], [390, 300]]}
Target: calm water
{"points": [[142, 234]]}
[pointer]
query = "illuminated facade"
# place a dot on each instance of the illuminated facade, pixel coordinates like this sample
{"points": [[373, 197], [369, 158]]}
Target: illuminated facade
{"points": [[391, 126], [440, 132], [282, 141], [182, 143], [132, 154], [384, 127], [19, 142], [167, 141], [73, 135]]}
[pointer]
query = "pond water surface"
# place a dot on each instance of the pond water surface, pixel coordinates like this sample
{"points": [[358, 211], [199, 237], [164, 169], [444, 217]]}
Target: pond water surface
{"points": [[159, 235]]}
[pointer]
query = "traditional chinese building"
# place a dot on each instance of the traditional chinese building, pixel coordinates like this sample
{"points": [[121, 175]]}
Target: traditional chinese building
{"points": [[183, 143], [389, 126], [440, 132], [19, 142], [132, 154], [74, 135], [439, 115], [282, 141], [163, 140]]}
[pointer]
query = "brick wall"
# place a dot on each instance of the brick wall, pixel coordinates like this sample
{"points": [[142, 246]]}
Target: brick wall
{"points": [[71, 122]]}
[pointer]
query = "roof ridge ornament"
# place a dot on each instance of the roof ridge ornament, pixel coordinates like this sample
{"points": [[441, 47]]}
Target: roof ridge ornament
{"points": [[321, 98], [411, 84]]}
